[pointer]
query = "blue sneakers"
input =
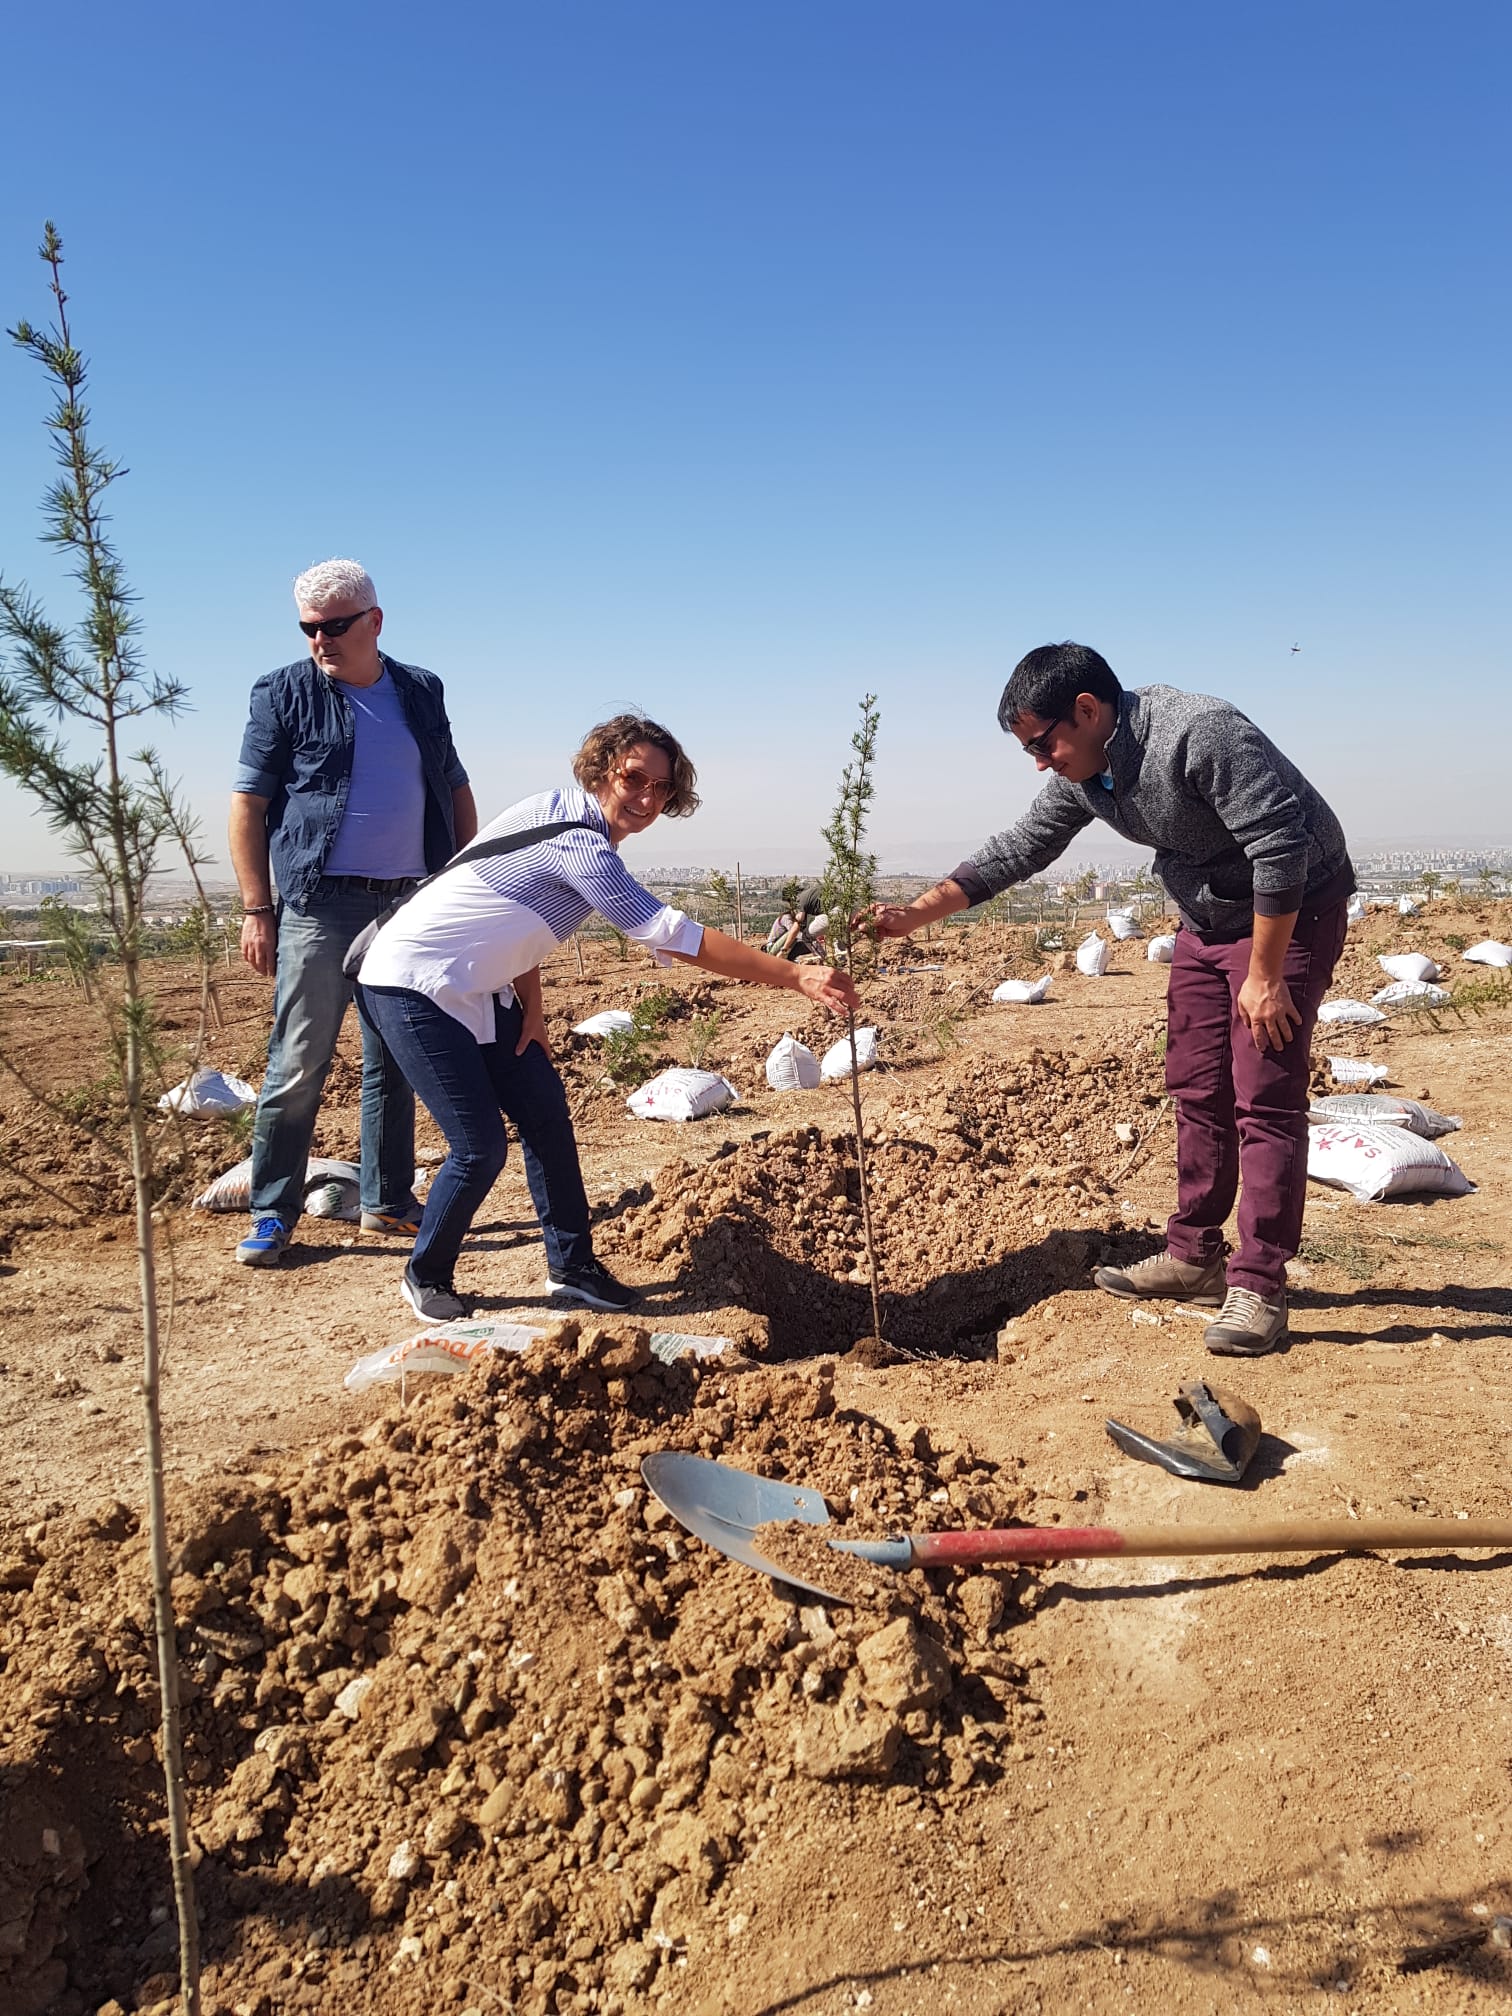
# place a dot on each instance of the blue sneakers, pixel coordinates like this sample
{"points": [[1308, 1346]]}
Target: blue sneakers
{"points": [[264, 1244]]}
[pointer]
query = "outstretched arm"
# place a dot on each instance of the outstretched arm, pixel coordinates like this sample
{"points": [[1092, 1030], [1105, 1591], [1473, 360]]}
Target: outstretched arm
{"points": [[734, 961], [896, 920]]}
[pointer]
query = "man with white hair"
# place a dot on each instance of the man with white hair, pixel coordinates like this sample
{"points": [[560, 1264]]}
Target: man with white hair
{"points": [[348, 792]]}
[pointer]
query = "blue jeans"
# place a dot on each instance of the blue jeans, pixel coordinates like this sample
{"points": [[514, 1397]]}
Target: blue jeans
{"points": [[308, 1006], [468, 1087]]}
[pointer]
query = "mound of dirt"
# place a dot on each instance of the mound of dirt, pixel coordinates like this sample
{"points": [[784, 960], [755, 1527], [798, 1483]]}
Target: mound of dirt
{"points": [[461, 1701], [964, 1181]]}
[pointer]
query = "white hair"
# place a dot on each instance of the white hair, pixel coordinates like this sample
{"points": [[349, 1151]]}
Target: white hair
{"points": [[334, 581]]}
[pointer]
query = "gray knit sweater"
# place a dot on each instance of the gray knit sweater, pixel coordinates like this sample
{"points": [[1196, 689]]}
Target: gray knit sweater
{"points": [[1237, 829]]}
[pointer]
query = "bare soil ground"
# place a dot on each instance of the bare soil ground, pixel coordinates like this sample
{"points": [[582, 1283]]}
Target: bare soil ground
{"points": [[472, 1725]]}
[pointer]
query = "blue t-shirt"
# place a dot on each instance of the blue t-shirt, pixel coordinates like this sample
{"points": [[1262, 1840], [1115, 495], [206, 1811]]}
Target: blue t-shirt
{"points": [[382, 831]]}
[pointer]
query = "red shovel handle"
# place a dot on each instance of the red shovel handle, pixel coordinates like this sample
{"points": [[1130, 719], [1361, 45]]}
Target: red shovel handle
{"points": [[1293, 1536]]}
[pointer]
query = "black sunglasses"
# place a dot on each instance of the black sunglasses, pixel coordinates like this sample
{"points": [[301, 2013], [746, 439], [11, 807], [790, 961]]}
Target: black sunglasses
{"points": [[1039, 745], [335, 626]]}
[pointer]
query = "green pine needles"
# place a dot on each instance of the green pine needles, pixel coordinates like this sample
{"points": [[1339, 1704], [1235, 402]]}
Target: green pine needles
{"points": [[113, 811], [849, 886], [851, 872]]}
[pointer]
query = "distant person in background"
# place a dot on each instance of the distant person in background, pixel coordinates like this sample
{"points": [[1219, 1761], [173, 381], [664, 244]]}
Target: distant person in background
{"points": [[1256, 865], [796, 933], [348, 792]]}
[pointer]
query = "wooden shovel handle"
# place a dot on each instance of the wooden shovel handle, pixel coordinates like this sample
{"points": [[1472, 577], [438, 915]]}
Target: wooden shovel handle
{"points": [[1288, 1536]]}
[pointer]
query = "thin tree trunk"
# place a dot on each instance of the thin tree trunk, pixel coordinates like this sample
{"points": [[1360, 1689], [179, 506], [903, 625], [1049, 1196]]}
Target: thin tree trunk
{"points": [[739, 905], [157, 1527], [866, 1218], [577, 946]]}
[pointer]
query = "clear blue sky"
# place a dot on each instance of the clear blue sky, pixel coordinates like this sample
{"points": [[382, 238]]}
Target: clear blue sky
{"points": [[732, 359]]}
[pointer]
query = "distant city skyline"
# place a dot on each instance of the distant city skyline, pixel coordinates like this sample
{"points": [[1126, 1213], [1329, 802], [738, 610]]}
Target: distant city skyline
{"points": [[1119, 860]]}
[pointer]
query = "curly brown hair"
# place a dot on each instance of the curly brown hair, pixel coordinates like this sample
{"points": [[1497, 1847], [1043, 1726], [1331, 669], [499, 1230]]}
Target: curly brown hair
{"points": [[604, 745]]}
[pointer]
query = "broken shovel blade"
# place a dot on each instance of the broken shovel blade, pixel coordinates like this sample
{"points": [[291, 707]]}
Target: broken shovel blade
{"points": [[1219, 1434]]}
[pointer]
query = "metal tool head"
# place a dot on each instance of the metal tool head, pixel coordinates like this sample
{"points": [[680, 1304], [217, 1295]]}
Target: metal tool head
{"points": [[1218, 1436], [723, 1507]]}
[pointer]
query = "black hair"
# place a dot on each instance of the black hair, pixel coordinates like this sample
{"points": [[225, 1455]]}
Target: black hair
{"points": [[1046, 681]]}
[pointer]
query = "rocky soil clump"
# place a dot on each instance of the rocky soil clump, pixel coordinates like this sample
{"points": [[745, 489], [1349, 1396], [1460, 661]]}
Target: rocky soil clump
{"points": [[463, 1704]]}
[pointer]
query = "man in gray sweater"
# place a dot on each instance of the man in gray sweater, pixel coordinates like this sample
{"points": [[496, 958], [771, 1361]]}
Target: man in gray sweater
{"points": [[1257, 868]]}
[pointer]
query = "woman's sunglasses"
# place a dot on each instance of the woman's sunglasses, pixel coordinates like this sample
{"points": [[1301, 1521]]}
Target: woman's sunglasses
{"points": [[637, 784]]}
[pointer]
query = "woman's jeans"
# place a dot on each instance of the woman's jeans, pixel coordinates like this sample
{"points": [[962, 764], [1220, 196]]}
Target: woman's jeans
{"points": [[468, 1087], [309, 1003], [1241, 1113]]}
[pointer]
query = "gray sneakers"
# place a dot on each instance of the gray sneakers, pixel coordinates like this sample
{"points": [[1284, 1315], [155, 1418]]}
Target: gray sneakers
{"points": [[1248, 1326], [1162, 1278], [433, 1301]]}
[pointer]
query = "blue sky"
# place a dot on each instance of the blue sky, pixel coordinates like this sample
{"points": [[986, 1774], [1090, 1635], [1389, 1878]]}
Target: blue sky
{"points": [[733, 360]]}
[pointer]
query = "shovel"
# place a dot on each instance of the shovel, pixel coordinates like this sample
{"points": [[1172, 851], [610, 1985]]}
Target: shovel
{"points": [[723, 1507]]}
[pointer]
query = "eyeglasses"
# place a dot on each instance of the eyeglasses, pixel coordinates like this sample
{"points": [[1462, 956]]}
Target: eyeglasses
{"points": [[636, 784], [335, 626], [1039, 745]]}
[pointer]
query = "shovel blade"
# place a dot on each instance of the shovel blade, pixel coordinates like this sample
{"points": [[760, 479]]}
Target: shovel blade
{"points": [[1218, 1435], [723, 1507]]}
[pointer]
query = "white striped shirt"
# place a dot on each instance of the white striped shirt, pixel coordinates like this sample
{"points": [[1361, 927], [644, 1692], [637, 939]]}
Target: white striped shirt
{"points": [[470, 934]]}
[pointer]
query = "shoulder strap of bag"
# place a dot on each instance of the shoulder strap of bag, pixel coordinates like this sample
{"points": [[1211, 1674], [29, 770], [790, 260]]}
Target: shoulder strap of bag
{"points": [[480, 850]]}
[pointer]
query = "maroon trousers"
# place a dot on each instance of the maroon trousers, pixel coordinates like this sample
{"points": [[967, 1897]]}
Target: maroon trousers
{"points": [[1241, 1113]]}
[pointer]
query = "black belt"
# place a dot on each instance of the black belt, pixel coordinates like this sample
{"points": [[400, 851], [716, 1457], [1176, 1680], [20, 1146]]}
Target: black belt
{"points": [[374, 883]]}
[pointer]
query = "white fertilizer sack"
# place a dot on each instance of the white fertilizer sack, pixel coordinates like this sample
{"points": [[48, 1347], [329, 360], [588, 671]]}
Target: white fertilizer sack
{"points": [[1406, 906], [1355, 911], [1489, 952], [1162, 950], [608, 1022], [232, 1190], [681, 1094], [1349, 1011], [1367, 1110], [453, 1347], [836, 1061], [209, 1095], [792, 1066], [336, 1199], [1355, 1071], [1408, 966], [1411, 994], [1093, 954], [1022, 990], [1121, 923], [1376, 1162]]}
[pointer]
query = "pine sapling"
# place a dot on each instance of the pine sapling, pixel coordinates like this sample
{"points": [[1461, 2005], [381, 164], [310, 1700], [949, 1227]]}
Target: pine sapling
{"points": [[849, 885], [114, 821]]}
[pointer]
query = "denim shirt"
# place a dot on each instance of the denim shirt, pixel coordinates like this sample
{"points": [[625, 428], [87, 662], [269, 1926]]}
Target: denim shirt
{"points": [[297, 753]]}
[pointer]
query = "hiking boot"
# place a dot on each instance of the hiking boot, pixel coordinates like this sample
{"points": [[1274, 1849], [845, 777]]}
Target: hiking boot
{"points": [[1248, 1326], [401, 1224], [594, 1287], [1164, 1278], [264, 1244], [433, 1301]]}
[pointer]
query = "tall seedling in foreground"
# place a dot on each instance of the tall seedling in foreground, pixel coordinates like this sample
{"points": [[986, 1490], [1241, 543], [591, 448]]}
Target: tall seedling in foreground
{"points": [[114, 818], [849, 879]]}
